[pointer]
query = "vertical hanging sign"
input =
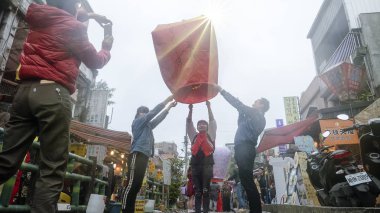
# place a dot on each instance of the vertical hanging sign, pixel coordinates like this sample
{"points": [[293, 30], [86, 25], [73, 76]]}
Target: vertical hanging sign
{"points": [[281, 148], [292, 115]]}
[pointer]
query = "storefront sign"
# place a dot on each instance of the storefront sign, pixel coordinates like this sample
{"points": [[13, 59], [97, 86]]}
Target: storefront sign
{"points": [[291, 110], [167, 172], [337, 135], [140, 204], [305, 144], [281, 148]]}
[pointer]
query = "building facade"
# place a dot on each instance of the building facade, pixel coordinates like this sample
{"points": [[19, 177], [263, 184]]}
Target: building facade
{"points": [[97, 108], [166, 148], [345, 39]]}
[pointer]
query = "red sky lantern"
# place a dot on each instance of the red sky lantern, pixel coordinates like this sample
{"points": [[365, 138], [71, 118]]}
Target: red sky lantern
{"points": [[188, 58]]}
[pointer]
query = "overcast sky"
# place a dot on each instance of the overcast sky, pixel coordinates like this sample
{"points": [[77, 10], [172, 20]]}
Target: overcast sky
{"points": [[262, 46]]}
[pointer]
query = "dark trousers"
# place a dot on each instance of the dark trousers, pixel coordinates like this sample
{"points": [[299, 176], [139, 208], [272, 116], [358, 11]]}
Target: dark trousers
{"points": [[202, 175], [137, 163], [245, 156], [43, 110]]}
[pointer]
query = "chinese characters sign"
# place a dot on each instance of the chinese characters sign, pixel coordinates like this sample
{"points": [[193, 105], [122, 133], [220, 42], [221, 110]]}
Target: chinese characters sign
{"points": [[337, 136], [291, 110]]}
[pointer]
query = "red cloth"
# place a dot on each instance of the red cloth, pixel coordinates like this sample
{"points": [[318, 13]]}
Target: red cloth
{"points": [[190, 187], [55, 47], [17, 184], [284, 135], [201, 142], [188, 58], [219, 204]]}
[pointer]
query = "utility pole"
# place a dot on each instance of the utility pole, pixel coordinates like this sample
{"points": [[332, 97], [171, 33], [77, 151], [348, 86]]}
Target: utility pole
{"points": [[186, 157]]}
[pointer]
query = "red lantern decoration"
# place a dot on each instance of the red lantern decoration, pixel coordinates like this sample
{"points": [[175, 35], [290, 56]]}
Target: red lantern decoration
{"points": [[344, 80], [188, 58]]}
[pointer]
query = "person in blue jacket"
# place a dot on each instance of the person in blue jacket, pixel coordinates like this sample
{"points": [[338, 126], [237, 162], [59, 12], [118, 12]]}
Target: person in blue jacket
{"points": [[142, 148], [251, 123]]}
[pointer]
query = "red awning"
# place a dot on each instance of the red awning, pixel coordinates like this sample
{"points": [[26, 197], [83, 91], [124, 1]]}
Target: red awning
{"points": [[285, 134]]}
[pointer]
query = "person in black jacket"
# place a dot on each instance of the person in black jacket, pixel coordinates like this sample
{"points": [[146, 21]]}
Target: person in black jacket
{"points": [[251, 123]]}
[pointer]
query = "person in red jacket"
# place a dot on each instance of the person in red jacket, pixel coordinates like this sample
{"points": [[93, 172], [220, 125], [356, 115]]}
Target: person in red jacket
{"points": [[56, 45], [202, 160]]}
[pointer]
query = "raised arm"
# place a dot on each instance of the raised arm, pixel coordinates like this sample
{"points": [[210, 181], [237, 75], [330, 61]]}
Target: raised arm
{"points": [[138, 123], [190, 129], [211, 122], [162, 115], [80, 46], [242, 108]]}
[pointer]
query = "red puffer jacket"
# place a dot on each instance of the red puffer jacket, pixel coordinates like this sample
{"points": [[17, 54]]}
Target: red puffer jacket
{"points": [[55, 47]]}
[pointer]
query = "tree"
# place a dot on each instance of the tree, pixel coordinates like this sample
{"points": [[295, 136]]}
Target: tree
{"points": [[102, 85], [176, 182]]}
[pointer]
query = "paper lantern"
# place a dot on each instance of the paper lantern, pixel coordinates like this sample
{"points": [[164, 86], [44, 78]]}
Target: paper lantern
{"points": [[222, 157], [188, 58], [344, 80]]}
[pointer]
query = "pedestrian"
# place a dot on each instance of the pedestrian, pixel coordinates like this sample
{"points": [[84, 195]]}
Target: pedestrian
{"points": [[57, 43], [142, 148], [226, 196], [214, 192], [202, 161], [240, 193], [190, 189], [251, 123]]}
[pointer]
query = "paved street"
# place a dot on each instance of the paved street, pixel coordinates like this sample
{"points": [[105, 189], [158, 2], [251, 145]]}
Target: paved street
{"points": [[236, 211]]}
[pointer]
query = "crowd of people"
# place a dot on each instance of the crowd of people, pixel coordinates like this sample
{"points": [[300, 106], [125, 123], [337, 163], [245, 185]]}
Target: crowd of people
{"points": [[49, 67], [251, 123]]}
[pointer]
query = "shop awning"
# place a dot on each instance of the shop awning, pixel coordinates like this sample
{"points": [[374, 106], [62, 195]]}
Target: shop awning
{"points": [[285, 134], [100, 136], [372, 111]]}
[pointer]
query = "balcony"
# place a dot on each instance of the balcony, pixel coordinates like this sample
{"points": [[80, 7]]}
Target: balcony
{"points": [[351, 45]]}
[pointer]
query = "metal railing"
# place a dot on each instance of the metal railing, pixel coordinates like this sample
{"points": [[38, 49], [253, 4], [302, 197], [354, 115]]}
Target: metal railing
{"points": [[157, 191], [95, 185], [348, 45]]}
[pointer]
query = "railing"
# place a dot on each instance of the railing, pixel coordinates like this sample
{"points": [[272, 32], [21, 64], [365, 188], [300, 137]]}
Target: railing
{"points": [[95, 185], [158, 192], [348, 45]]}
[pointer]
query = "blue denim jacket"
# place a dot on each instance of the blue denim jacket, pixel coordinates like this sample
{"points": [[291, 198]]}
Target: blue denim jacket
{"points": [[142, 130]]}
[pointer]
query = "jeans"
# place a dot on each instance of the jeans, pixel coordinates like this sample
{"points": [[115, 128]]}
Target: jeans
{"points": [[241, 197], [245, 157]]}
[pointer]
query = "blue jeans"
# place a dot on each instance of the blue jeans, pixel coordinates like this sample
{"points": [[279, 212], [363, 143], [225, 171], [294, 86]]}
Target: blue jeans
{"points": [[241, 196]]}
